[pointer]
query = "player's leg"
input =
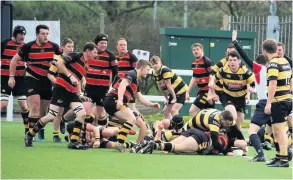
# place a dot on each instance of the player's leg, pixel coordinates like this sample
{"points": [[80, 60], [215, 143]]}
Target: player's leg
{"points": [[278, 112], [179, 103], [167, 111], [56, 126], [142, 129]]}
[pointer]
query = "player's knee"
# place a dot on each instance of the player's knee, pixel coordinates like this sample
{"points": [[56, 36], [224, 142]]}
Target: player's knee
{"points": [[174, 111], [80, 112]]}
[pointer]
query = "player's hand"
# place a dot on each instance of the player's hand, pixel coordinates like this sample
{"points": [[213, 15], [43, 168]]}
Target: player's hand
{"points": [[230, 154], [173, 101], [11, 82], [234, 35], [247, 99], [156, 105], [268, 108], [96, 144], [119, 105], [166, 102], [187, 96], [73, 80], [251, 89], [83, 83], [85, 98]]}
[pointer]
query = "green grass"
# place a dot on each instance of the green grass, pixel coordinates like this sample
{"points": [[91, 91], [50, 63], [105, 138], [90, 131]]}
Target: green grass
{"points": [[48, 160]]}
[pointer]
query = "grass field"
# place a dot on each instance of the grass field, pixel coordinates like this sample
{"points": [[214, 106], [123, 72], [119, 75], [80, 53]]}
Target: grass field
{"points": [[48, 160]]}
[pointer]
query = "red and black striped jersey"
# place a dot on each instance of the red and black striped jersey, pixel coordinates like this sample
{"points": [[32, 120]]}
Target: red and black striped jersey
{"points": [[201, 72], [38, 58], [133, 88], [126, 62], [9, 48], [99, 71], [76, 65]]}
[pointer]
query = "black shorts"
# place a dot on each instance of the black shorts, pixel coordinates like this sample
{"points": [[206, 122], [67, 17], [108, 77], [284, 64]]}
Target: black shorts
{"points": [[280, 110], [200, 136], [96, 93], [110, 104], [260, 117], [201, 101], [38, 87], [62, 97], [180, 98], [238, 102], [104, 144], [19, 88]]}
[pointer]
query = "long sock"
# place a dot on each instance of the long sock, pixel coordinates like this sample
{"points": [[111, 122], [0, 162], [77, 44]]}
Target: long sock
{"points": [[277, 147], [128, 145], [76, 131], [283, 158], [255, 142], [89, 118], [38, 126], [123, 132], [32, 122], [290, 130], [24, 116], [168, 147], [103, 121], [56, 133]]}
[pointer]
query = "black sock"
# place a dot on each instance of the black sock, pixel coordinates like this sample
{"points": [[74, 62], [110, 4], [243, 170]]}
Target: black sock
{"points": [[277, 147], [24, 116], [38, 126], [290, 130], [255, 142]]}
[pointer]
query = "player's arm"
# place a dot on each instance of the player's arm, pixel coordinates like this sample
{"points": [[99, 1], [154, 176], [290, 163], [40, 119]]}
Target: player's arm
{"points": [[289, 60], [52, 73], [191, 85], [122, 88], [167, 75], [170, 88], [235, 133], [272, 74], [242, 53], [134, 61], [20, 56], [214, 129], [96, 134], [143, 100], [114, 66], [61, 61]]}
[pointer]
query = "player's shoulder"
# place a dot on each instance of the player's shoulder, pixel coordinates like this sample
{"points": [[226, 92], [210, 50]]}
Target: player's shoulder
{"points": [[75, 55], [29, 43], [131, 55], [53, 44], [165, 69], [5, 41], [109, 53]]}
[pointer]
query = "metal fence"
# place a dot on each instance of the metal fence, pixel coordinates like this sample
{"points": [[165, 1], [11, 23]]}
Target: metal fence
{"points": [[30, 27], [258, 24]]}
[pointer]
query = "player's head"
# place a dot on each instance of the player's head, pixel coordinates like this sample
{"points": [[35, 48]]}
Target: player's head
{"points": [[197, 50], [229, 49], [280, 49], [261, 59], [90, 51], [177, 122], [122, 46], [269, 48], [19, 33], [226, 118], [234, 60], [101, 40], [67, 46], [156, 62], [143, 67], [42, 32]]}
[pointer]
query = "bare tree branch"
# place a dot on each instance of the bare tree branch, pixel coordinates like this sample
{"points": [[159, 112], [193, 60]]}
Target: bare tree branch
{"points": [[88, 8], [137, 8]]}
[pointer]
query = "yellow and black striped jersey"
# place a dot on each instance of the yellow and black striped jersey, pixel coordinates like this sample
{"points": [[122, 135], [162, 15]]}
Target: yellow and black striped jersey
{"points": [[166, 73], [206, 120], [216, 68], [235, 84], [279, 69], [170, 135]]}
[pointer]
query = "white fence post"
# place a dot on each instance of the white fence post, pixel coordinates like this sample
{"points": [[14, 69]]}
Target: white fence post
{"points": [[9, 112]]}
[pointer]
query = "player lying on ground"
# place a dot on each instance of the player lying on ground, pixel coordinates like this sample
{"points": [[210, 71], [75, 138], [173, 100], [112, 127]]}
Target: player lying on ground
{"points": [[174, 130], [194, 141], [214, 121], [98, 136]]}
